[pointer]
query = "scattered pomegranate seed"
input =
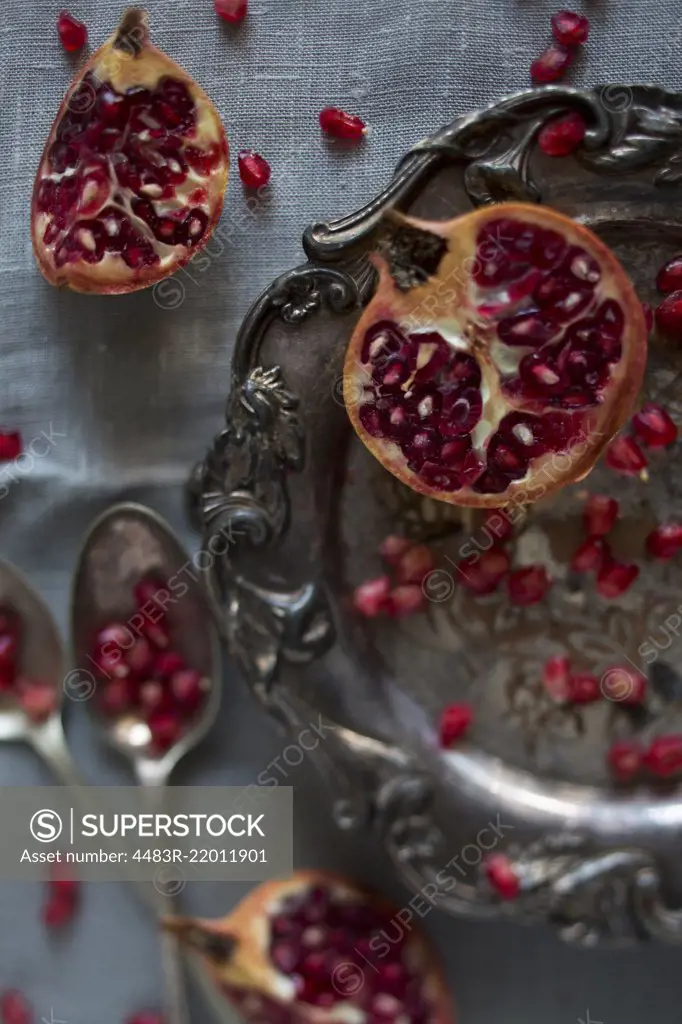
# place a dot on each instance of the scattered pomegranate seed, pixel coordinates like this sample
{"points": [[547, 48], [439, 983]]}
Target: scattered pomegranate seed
{"points": [[563, 135], [14, 1008], [555, 677], [64, 893], [232, 11], [455, 721], [370, 598], [341, 125], [654, 427], [11, 445], [648, 316], [600, 514], [404, 600], [502, 876], [414, 564], [624, 684], [484, 574], [254, 170], [591, 555], [37, 699], [73, 34], [583, 688], [569, 28], [625, 760], [664, 757], [498, 524], [529, 585], [669, 316], [665, 541], [551, 65], [393, 547], [614, 578], [669, 277], [625, 456]]}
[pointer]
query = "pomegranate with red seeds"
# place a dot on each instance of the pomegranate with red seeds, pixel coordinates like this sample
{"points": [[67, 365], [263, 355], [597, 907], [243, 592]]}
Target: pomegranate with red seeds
{"points": [[654, 427], [117, 203], [315, 948], [569, 28], [529, 363]]}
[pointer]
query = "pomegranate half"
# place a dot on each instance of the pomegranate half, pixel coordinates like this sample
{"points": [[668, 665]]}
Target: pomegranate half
{"points": [[314, 948], [131, 181], [500, 354]]}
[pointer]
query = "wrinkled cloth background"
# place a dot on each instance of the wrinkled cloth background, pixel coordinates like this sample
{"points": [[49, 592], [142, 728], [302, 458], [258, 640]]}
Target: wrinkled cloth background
{"points": [[137, 388]]}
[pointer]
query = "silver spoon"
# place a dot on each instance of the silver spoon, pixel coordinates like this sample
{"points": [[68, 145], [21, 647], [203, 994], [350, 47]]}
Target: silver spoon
{"points": [[126, 543]]}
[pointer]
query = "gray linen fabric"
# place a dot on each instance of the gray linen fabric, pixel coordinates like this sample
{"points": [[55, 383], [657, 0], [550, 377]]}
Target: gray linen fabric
{"points": [[137, 391]]}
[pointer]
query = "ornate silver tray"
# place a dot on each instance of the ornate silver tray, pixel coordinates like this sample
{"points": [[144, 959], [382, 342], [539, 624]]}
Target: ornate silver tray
{"points": [[294, 509]]}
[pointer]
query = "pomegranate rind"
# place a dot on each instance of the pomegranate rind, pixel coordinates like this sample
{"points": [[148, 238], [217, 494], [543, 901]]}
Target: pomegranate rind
{"points": [[250, 967], [123, 70], [599, 424]]}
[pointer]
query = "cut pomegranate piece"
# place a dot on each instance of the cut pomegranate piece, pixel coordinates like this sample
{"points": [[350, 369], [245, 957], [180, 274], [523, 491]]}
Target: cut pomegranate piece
{"points": [[414, 564], [232, 11], [531, 359], [563, 135], [11, 445], [663, 758], [341, 125], [669, 316], [392, 548], [529, 585], [583, 688], [133, 139], [551, 65], [455, 722], [311, 948], [371, 598], [614, 578], [600, 515], [502, 877], [555, 677], [654, 427], [669, 277], [625, 760], [625, 456], [254, 170], [665, 541], [624, 684], [569, 28], [484, 573], [591, 555], [405, 600], [73, 35], [14, 1008]]}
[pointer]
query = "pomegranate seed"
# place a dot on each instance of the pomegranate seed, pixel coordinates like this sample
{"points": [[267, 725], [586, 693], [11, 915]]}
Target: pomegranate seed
{"points": [[166, 663], [551, 65], [625, 760], [337, 123], [254, 170], [414, 565], [188, 687], [58, 911], [149, 590], [232, 11], [165, 727], [140, 658], [484, 574], [152, 695], [625, 456], [118, 696], [405, 600], [665, 541], [8, 659], [62, 883], [569, 28], [529, 585], [455, 721], [624, 684], [648, 316], [502, 876], [614, 578], [669, 277], [654, 427], [156, 633], [498, 524], [393, 547], [600, 514], [73, 34], [664, 757], [371, 598], [11, 445], [669, 316], [583, 688], [591, 555], [555, 677], [37, 699], [14, 1008], [563, 135]]}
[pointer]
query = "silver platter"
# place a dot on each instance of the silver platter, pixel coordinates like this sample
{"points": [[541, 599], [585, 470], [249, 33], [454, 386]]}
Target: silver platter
{"points": [[293, 509]]}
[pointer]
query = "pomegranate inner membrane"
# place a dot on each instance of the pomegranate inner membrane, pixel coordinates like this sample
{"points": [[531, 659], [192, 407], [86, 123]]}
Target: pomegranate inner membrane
{"points": [[515, 373], [122, 179]]}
